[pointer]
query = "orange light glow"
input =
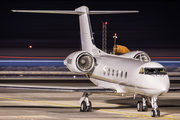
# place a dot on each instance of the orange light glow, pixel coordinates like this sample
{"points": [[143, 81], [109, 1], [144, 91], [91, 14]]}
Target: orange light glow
{"points": [[30, 46]]}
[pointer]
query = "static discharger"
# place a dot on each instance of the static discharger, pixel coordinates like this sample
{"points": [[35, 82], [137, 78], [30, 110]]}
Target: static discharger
{"points": [[119, 48]]}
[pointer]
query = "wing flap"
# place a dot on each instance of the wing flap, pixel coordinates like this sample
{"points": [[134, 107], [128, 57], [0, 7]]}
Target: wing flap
{"points": [[57, 88]]}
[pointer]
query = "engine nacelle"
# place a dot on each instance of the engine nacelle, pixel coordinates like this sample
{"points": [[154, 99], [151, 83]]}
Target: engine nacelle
{"points": [[80, 62]]}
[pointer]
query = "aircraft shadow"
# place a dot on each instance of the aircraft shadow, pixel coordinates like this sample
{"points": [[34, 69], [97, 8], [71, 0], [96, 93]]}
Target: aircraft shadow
{"points": [[171, 105]]}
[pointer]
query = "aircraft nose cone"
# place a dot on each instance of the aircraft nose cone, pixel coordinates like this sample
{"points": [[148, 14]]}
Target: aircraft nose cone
{"points": [[164, 88]]}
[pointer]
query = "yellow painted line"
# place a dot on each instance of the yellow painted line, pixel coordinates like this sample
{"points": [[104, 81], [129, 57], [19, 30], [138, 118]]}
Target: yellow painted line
{"points": [[26, 118], [38, 102], [124, 114]]}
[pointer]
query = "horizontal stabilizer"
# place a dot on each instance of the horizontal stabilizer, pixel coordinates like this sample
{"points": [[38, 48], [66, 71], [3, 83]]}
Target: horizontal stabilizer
{"points": [[112, 12], [74, 12], [51, 11]]}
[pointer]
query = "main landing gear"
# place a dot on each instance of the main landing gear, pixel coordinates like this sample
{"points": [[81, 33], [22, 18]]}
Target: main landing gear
{"points": [[86, 105], [142, 106]]}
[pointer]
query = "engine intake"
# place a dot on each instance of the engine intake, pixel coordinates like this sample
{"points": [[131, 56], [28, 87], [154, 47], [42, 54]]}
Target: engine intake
{"points": [[85, 62], [80, 62]]}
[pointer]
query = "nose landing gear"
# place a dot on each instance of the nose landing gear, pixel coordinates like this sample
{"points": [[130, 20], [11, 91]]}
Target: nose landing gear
{"points": [[86, 105], [155, 112], [142, 106]]}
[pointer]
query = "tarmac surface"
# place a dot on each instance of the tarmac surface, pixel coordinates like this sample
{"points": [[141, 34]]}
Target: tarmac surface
{"points": [[52, 105]]}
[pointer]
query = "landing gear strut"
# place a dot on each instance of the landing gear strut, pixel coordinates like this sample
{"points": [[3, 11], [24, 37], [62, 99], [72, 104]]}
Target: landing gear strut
{"points": [[142, 105], [154, 112], [85, 103]]}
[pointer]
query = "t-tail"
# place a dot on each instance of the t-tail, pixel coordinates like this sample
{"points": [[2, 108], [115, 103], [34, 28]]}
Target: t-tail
{"points": [[87, 39]]}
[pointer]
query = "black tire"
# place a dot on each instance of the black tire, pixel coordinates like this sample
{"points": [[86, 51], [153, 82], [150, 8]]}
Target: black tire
{"points": [[145, 108], [158, 113], [139, 106], [89, 108], [83, 107], [153, 113]]}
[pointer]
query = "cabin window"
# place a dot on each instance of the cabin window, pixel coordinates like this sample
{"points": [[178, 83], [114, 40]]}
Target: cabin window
{"points": [[121, 74], [113, 72], [117, 73], [108, 71], [126, 75], [141, 71], [104, 70]]}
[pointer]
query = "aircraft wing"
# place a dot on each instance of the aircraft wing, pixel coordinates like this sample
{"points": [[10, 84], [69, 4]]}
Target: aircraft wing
{"points": [[174, 89], [57, 88]]}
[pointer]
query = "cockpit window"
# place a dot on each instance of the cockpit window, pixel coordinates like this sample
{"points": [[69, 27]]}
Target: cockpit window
{"points": [[141, 71], [157, 71], [150, 71], [142, 57], [137, 57], [161, 71]]}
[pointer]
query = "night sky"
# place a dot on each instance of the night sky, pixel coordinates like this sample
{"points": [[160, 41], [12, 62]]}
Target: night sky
{"points": [[157, 25]]}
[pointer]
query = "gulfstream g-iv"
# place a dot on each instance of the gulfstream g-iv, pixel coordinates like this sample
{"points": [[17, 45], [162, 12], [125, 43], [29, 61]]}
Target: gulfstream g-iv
{"points": [[131, 73]]}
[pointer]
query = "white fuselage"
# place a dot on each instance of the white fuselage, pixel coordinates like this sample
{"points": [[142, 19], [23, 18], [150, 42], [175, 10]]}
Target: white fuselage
{"points": [[122, 74]]}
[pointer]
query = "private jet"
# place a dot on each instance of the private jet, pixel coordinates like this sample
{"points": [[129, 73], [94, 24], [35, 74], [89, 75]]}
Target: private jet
{"points": [[132, 73]]}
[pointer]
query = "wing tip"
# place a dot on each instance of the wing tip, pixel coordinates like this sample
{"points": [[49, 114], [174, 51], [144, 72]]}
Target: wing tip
{"points": [[13, 10]]}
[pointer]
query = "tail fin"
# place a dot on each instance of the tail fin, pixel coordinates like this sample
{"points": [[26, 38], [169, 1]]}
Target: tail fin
{"points": [[87, 39]]}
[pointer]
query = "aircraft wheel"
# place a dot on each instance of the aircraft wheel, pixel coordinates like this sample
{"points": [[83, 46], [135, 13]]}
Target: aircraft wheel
{"points": [[145, 108], [83, 107], [153, 113], [139, 106], [89, 107], [158, 113]]}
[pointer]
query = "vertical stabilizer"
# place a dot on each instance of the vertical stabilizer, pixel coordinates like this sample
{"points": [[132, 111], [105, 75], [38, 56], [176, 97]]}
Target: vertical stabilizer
{"points": [[87, 39]]}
